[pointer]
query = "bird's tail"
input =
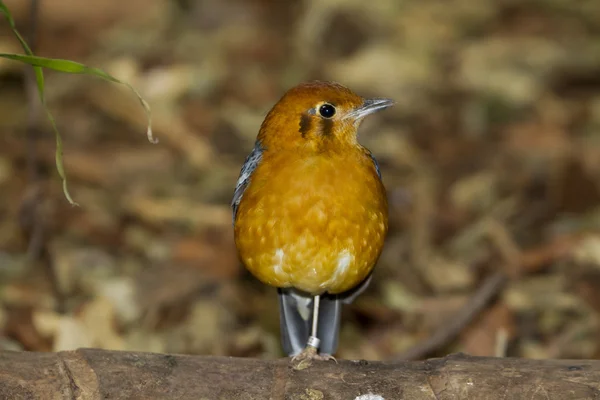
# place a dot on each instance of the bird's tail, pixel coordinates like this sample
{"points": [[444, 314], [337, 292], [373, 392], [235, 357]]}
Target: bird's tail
{"points": [[296, 315]]}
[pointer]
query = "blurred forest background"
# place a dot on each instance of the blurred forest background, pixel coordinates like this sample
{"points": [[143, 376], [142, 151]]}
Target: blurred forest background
{"points": [[491, 158]]}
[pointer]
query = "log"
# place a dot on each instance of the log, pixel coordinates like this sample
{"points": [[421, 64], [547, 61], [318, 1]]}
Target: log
{"points": [[101, 374]]}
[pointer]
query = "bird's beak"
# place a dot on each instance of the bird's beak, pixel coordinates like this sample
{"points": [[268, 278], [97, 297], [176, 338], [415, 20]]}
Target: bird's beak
{"points": [[369, 106]]}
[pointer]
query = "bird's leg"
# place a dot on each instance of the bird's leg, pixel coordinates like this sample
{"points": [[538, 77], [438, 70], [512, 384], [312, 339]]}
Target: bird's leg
{"points": [[310, 352], [313, 341]]}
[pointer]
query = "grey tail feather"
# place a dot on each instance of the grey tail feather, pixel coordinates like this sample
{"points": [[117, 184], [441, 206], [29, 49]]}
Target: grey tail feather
{"points": [[296, 312], [295, 329]]}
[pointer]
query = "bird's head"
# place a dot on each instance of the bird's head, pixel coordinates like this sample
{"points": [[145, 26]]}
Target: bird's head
{"points": [[317, 115]]}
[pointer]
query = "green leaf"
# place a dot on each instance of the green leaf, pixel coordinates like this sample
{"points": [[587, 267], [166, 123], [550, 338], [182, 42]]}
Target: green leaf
{"points": [[69, 67], [72, 67]]}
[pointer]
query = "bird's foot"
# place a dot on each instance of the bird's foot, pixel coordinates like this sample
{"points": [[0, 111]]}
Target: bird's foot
{"points": [[304, 359]]}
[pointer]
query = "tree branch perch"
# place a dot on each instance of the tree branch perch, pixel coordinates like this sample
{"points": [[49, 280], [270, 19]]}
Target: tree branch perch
{"points": [[101, 374]]}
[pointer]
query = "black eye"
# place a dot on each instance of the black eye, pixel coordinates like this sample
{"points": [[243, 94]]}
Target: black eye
{"points": [[327, 110]]}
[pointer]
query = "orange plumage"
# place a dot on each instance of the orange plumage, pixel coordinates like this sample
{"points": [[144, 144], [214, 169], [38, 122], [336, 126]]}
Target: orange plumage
{"points": [[310, 210]]}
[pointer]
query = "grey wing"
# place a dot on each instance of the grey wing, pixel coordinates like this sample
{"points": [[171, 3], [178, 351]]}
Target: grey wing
{"points": [[376, 164], [351, 295], [245, 174]]}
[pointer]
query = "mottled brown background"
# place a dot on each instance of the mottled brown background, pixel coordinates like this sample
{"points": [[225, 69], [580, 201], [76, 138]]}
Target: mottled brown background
{"points": [[491, 159]]}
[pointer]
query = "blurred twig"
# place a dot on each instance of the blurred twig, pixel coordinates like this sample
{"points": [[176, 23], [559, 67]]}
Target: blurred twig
{"points": [[30, 220], [490, 288], [32, 96], [515, 262], [31, 213], [510, 253]]}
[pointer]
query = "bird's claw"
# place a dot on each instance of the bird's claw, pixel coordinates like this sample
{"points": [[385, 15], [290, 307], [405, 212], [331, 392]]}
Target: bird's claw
{"points": [[304, 359]]}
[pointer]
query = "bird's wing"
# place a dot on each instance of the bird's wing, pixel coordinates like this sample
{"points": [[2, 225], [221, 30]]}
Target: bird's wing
{"points": [[296, 315], [245, 174], [376, 164], [351, 295]]}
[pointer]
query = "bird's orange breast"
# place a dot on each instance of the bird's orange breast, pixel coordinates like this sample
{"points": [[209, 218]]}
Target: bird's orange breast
{"points": [[313, 222]]}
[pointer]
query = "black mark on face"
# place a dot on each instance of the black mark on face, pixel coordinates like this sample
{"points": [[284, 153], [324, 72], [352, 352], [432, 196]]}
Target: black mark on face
{"points": [[326, 127], [305, 124]]}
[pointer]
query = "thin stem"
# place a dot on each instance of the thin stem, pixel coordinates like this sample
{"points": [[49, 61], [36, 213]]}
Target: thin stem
{"points": [[32, 94]]}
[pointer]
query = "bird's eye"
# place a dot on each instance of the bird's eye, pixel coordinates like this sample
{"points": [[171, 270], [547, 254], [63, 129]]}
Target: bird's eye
{"points": [[327, 110]]}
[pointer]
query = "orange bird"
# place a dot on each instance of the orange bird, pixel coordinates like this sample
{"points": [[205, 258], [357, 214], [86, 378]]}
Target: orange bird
{"points": [[310, 212]]}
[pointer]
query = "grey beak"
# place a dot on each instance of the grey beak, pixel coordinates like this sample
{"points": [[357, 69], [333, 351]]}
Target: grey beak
{"points": [[369, 107]]}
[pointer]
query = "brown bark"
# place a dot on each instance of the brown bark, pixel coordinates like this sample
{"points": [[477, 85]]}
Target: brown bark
{"points": [[101, 374]]}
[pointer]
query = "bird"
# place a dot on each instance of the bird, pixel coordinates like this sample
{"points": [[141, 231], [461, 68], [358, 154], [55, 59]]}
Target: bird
{"points": [[310, 211]]}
